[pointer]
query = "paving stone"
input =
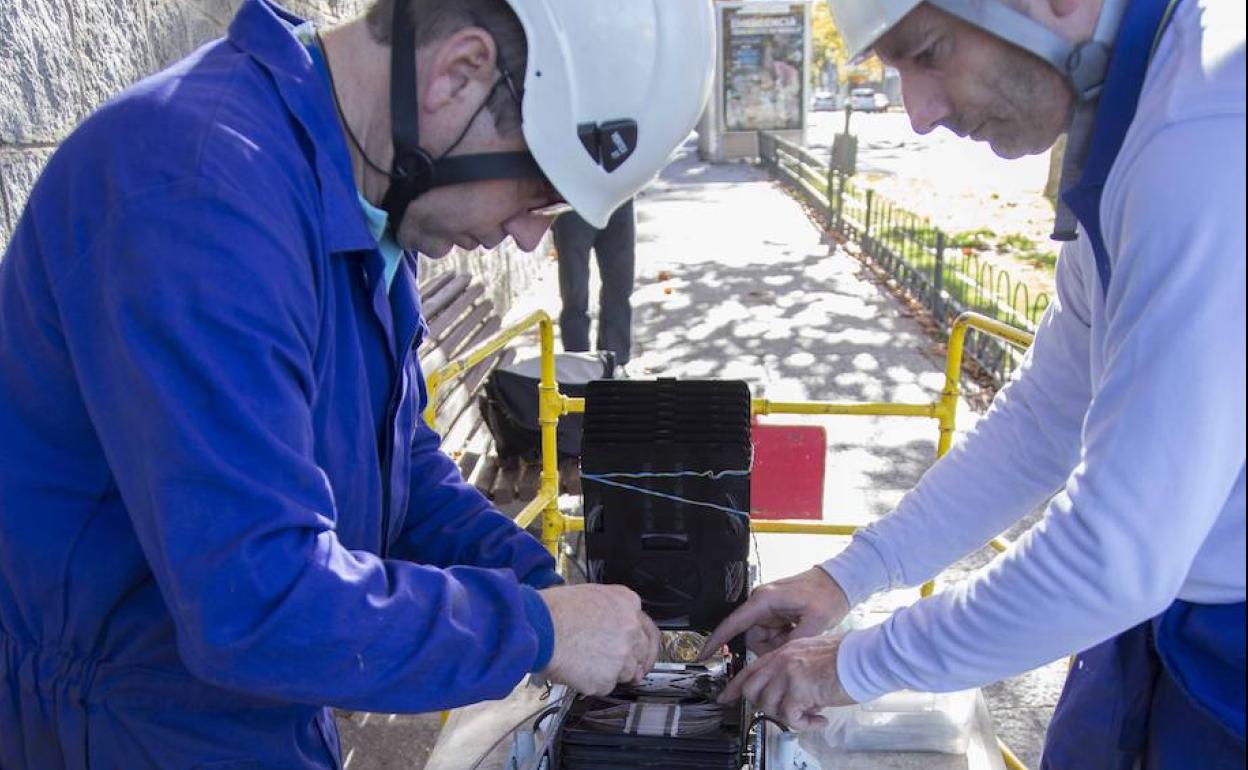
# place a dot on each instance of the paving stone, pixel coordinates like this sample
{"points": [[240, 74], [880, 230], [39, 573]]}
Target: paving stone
{"points": [[38, 72], [19, 168], [6, 229], [167, 31], [386, 741], [1040, 688], [201, 29], [328, 11], [114, 49], [1023, 731], [218, 11]]}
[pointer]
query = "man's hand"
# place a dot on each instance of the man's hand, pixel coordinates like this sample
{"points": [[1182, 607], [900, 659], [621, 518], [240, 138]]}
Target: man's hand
{"points": [[803, 605], [602, 637], [793, 683]]}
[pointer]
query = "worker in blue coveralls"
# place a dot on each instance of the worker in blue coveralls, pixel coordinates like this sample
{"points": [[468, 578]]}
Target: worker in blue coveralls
{"points": [[220, 511], [1127, 416]]}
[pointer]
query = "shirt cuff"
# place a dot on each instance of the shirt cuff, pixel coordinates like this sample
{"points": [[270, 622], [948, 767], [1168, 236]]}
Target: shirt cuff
{"points": [[543, 627], [852, 667], [859, 570], [543, 578]]}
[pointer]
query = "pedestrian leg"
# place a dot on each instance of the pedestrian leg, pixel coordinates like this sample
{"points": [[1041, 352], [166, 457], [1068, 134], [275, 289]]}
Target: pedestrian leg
{"points": [[573, 239], [616, 251]]}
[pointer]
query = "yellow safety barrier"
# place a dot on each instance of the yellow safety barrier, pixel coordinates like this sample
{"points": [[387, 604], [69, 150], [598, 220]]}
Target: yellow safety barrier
{"points": [[553, 405], [1008, 756]]}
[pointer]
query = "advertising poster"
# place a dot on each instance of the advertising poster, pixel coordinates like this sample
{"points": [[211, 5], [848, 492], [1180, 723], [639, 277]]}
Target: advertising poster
{"points": [[764, 51]]}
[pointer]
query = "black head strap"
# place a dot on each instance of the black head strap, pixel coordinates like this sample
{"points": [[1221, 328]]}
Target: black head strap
{"points": [[458, 169], [415, 172], [412, 169]]}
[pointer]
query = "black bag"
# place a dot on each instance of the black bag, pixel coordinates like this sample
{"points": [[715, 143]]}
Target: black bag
{"points": [[509, 403]]}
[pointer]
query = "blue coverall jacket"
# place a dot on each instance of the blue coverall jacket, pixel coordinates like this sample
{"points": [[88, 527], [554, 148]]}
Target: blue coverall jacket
{"points": [[219, 509]]}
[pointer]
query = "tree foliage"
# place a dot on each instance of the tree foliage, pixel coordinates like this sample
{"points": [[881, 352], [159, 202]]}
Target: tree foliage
{"points": [[826, 44]]}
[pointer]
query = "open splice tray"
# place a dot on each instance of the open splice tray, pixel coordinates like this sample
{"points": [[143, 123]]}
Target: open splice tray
{"points": [[665, 472]]}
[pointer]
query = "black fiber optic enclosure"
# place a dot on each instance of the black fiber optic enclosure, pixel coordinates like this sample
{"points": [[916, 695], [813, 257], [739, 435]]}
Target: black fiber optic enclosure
{"points": [[676, 544], [677, 532]]}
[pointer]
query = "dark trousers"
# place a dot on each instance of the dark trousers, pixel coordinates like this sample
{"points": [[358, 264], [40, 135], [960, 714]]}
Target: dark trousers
{"points": [[615, 249], [1122, 709]]}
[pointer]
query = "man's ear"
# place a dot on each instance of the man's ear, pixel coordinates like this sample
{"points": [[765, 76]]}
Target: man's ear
{"points": [[461, 68], [1074, 20], [1064, 8]]}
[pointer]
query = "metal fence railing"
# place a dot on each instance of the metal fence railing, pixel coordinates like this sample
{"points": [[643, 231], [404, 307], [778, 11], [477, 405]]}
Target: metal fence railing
{"points": [[924, 261]]}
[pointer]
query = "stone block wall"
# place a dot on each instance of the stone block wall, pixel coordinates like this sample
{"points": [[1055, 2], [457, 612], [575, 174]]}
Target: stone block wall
{"points": [[60, 59]]}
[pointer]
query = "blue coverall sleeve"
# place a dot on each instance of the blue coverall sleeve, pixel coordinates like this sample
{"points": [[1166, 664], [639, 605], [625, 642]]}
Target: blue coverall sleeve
{"points": [[193, 331], [449, 522]]}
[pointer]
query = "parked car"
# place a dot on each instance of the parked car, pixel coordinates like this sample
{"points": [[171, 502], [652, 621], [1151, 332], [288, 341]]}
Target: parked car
{"points": [[868, 100], [822, 101]]}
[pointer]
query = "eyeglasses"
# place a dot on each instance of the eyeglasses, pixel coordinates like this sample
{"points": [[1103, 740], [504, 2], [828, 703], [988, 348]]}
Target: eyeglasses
{"points": [[555, 204]]}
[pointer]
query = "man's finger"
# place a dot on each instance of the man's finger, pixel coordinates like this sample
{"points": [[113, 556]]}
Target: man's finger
{"points": [[639, 673], [761, 675], [642, 651], [810, 625], [811, 720], [742, 618], [770, 693], [654, 640], [733, 691], [777, 689], [764, 639], [790, 712], [752, 690]]}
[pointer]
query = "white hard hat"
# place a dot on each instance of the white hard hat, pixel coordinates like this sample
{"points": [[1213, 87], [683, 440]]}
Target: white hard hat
{"points": [[611, 88], [863, 22]]}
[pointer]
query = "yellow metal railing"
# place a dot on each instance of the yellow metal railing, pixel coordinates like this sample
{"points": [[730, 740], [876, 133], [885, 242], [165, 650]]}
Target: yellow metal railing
{"points": [[553, 405]]}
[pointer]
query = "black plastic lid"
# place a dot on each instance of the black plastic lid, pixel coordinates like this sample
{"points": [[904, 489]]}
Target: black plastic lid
{"points": [[661, 516]]}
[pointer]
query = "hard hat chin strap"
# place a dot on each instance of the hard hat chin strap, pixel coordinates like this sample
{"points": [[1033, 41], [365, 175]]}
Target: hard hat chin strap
{"points": [[414, 171], [1075, 157]]}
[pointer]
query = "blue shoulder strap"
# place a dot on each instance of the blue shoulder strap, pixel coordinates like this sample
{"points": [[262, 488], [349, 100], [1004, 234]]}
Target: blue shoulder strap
{"points": [[1142, 26]]}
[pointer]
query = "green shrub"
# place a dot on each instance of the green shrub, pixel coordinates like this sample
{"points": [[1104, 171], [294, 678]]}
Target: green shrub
{"points": [[980, 239]]}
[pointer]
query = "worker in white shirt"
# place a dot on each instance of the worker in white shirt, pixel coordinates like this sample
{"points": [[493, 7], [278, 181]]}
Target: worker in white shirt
{"points": [[1127, 415]]}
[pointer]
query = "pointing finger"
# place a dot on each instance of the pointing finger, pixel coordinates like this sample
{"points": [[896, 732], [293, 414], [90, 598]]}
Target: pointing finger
{"points": [[742, 618]]}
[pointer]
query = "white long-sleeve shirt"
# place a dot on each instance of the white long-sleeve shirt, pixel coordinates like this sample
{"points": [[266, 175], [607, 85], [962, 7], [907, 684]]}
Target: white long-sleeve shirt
{"points": [[1129, 406]]}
